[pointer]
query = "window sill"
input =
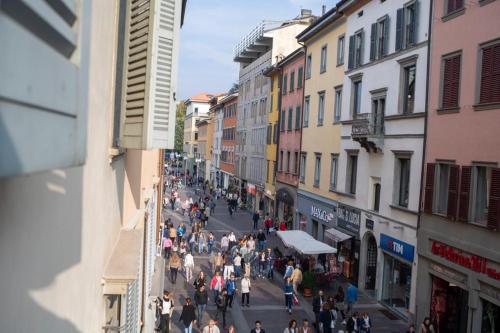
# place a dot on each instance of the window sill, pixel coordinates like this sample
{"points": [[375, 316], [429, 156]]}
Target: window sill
{"points": [[337, 122], [347, 122], [302, 181], [297, 129], [305, 126], [319, 125], [453, 14], [332, 189], [405, 116], [340, 64], [448, 110], [322, 71], [486, 106], [345, 194], [316, 185], [485, 2], [403, 209]]}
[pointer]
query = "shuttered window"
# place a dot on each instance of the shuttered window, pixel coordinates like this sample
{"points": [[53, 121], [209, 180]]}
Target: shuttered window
{"points": [[300, 78], [43, 91], [490, 75], [452, 204], [494, 200], [429, 187], [152, 48], [464, 195], [451, 82], [297, 117], [285, 85], [407, 25], [290, 119], [453, 5]]}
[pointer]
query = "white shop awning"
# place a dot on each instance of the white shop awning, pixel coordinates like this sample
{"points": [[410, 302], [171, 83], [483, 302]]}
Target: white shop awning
{"points": [[304, 243], [336, 235]]}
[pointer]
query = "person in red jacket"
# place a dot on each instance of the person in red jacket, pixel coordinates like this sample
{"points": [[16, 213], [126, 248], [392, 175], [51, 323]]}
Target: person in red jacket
{"points": [[217, 284], [282, 226], [268, 223]]}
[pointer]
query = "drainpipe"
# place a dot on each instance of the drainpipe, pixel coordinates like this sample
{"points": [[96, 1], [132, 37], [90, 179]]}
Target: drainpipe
{"points": [[280, 80], [301, 126]]}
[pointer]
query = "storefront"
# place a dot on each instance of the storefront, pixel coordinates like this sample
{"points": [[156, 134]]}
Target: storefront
{"points": [[397, 273], [315, 214], [268, 203], [285, 201], [251, 196]]}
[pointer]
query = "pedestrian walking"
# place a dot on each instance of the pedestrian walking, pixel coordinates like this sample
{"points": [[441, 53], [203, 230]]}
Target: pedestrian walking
{"points": [[167, 248], [257, 328], [167, 309], [231, 290], [210, 242], [255, 219], [221, 303], [224, 243], [237, 265], [218, 262], [261, 239], [270, 264], [202, 240], [352, 324], [288, 270], [231, 329], [201, 300], [246, 286], [175, 264], [188, 316], [352, 297], [340, 301], [189, 266], [183, 248], [296, 278], [172, 233], [288, 291], [305, 327], [211, 327], [262, 264], [268, 224], [327, 319], [216, 284], [212, 207], [317, 304], [200, 280], [232, 240], [230, 209], [427, 326], [292, 327], [228, 267], [365, 323]]}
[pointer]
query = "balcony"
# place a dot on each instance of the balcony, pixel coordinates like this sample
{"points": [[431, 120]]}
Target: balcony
{"points": [[368, 130], [253, 45]]}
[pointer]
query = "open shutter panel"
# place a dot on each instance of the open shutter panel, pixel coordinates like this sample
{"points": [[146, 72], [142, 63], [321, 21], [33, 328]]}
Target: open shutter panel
{"points": [[494, 200], [487, 75], [385, 44], [414, 25], [373, 41], [152, 47], [361, 48], [43, 103], [429, 187], [463, 199], [399, 28], [451, 82], [350, 62], [453, 192]]}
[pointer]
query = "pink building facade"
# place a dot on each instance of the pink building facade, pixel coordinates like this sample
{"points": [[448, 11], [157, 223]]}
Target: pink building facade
{"points": [[459, 269], [290, 118]]}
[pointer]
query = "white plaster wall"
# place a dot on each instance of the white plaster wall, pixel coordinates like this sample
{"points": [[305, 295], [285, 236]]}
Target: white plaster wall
{"points": [[203, 108]]}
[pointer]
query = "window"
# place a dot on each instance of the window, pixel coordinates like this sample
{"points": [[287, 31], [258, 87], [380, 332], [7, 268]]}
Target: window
{"points": [[308, 66], [480, 188], [287, 161], [317, 169], [290, 119], [333, 171], [340, 50], [356, 98], [285, 85], [296, 163], [376, 197], [490, 74], [297, 117], [356, 42], [379, 38], [453, 5], [321, 107], [406, 26], [292, 81], [305, 121], [338, 105], [271, 104], [302, 167], [409, 73], [276, 134], [322, 66], [283, 119], [378, 111], [274, 172], [281, 161], [300, 75], [269, 134], [402, 180], [442, 188], [450, 81], [352, 170], [196, 135], [268, 174]]}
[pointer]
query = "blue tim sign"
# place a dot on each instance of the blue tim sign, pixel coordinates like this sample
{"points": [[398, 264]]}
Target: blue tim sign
{"points": [[397, 247]]}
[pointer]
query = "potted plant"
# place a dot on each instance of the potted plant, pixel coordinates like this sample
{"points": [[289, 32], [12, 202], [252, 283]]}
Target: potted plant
{"points": [[308, 284]]}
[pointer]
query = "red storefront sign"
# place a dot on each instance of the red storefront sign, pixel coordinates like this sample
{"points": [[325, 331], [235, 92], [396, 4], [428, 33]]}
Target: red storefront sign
{"points": [[472, 262]]}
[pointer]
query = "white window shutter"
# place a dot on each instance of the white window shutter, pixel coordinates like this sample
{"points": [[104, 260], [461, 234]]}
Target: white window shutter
{"points": [[43, 85], [151, 72]]}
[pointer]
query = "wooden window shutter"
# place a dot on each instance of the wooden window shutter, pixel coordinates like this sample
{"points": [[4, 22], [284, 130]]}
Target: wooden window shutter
{"points": [[453, 192], [490, 75], [385, 44], [399, 28], [44, 87], [463, 198], [413, 33], [429, 187], [350, 61], [152, 50], [451, 82], [494, 200], [361, 48], [373, 41]]}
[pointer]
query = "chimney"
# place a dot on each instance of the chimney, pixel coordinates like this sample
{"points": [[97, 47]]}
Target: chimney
{"points": [[323, 10]]}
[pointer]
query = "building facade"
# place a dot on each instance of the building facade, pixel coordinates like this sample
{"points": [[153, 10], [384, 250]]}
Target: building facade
{"points": [[256, 52], [290, 126], [459, 256], [383, 112], [229, 107], [217, 115], [197, 108], [80, 231], [202, 143]]}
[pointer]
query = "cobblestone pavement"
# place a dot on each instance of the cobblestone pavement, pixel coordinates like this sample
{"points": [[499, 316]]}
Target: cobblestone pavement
{"points": [[266, 298]]}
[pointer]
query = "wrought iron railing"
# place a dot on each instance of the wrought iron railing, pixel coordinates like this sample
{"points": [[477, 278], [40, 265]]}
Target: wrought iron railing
{"points": [[368, 124]]}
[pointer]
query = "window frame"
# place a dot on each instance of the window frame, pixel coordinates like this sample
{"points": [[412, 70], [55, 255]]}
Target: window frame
{"points": [[300, 79], [290, 119], [282, 120], [442, 78], [358, 49], [356, 102], [317, 170], [473, 193], [297, 117], [308, 66], [321, 108], [334, 169], [337, 104], [296, 162], [323, 58], [302, 167], [405, 64], [341, 50], [351, 174], [284, 84], [481, 47], [399, 187], [306, 111]]}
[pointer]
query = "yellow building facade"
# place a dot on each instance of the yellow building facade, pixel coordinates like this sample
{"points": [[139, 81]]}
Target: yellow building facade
{"points": [[321, 131]]}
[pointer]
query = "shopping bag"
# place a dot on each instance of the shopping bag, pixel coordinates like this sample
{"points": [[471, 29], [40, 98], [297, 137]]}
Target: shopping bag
{"points": [[295, 300]]}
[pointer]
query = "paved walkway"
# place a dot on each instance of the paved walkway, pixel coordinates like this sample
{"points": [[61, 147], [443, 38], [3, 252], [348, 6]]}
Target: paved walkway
{"points": [[266, 298]]}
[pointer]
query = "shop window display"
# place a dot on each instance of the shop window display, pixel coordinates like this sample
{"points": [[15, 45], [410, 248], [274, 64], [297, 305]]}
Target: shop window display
{"points": [[449, 307], [396, 284], [490, 321]]}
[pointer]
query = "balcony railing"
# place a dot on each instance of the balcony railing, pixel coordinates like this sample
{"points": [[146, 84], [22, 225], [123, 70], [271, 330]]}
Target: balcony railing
{"points": [[368, 130], [249, 39]]}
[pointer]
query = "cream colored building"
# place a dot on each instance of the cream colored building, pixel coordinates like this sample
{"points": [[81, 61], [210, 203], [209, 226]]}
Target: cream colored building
{"points": [[79, 210], [324, 76]]}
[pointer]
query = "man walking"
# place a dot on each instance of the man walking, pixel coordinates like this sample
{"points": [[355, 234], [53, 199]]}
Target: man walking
{"points": [[189, 266], [211, 327], [352, 297], [255, 219], [261, 238], [318, 302], [231, 290], [296, 278], [201, 300], [246, 285], [258, 328]]}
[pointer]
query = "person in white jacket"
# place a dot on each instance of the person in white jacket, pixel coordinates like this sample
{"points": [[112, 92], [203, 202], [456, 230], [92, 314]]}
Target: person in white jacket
{"points": [[246, 285], [189, 266]]}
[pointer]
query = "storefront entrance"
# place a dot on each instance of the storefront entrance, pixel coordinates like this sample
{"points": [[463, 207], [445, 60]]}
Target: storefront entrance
{"points": [[449, 307], [371, 263], [396, 284]]}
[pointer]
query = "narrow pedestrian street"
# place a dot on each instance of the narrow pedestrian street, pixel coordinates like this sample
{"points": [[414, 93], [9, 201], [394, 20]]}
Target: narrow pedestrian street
{"points": [[266, 297]]}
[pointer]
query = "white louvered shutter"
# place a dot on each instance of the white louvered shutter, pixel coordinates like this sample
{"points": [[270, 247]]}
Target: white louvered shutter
{"points": [[43, 84], [151, 72]]}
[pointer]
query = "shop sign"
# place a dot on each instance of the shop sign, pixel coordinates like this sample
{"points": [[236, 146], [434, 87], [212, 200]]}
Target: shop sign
{"points": [[472, 262], [251, 189], [397, 247], [321, 214], [452, 275], [348, 218], [369, 224]]}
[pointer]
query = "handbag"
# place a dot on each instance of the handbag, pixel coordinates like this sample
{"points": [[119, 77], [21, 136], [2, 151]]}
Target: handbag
{"points": [[295, 300]]}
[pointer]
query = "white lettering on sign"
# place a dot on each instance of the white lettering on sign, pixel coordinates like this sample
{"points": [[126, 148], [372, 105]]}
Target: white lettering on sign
{"points": [[348, 216], [321, 214]]}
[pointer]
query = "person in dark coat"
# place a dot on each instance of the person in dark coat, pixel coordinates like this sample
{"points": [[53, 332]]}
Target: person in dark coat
{"points": [[317, 304], [188, 316]]}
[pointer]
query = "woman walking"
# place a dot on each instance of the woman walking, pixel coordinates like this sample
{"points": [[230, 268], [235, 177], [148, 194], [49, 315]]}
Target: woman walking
{"points": [[200, 280], [246, 285], [188, 316], [288, 291], [189, 266], [292, 327], [175, 264]]}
